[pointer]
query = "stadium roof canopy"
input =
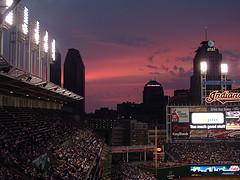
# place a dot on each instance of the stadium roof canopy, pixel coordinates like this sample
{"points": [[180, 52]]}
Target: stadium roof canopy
{"points": [[14, 81]]}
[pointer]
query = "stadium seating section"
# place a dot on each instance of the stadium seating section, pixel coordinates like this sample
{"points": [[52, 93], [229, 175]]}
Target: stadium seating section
{"points": [[220, 152], [46, 144]]}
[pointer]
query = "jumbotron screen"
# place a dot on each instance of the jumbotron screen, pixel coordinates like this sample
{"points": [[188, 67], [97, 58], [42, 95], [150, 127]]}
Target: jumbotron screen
{"points": [[232, 120], [226, 170], [207, 120]]}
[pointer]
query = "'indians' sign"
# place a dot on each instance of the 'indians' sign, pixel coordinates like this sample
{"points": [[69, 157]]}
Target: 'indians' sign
{"points": [[223, 97]]}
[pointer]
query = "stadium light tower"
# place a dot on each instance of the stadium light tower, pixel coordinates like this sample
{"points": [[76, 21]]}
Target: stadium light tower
{"points": [[224, 71], [53, 50], [10, 5], [203, 67], [9, 16], [25, 21], [45, 45], [224, 68], [203, 70]]}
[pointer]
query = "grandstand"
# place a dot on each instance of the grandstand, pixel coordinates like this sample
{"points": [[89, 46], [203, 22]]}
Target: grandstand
{"points": [[220, 152], [39, 143], [128, 172], [38, 139]]}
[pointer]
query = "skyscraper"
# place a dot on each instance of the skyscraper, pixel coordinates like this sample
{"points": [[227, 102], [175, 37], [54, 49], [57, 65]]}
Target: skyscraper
{"points": [[153, 94], [209, 53], [55, 70], [154, 102], [74, 77]]}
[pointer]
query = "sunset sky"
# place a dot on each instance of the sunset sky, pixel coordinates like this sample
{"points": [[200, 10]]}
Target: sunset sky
{"points": [[125, 43]]}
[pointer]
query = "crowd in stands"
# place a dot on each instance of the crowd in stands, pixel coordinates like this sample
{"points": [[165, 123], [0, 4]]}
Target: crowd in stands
{"points": [[6, 174], [130, 172], [45, 144], [205, 152]]}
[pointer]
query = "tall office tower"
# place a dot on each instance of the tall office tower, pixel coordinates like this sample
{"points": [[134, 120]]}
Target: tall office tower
{"points": [[154, 102], [153, 94], [55, 70], [209, 53], [74, 77]]}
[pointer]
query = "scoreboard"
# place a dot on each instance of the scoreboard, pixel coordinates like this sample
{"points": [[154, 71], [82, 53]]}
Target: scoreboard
{"points": [[186, 122]]}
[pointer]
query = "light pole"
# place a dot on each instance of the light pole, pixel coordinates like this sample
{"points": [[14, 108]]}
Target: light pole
{"points": [[8, 10], [203, 70], [224, 71]]}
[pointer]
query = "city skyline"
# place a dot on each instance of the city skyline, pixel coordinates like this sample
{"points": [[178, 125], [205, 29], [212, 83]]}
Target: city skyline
{"points": [[126, 44]]}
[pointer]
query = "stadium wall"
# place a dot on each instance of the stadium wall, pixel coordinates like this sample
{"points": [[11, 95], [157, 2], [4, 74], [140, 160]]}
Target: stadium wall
{"points": [[28, 102]]}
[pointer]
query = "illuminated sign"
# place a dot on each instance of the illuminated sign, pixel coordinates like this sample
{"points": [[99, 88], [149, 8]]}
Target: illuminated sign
{"points": [[180, 129], [180, 115], [209, 169], [223, 97], [211, 49], [211, 120], [198, 109], [153, 85], [208, 118], [211, 43], [211, 46], [232, 120], [199, 133]]}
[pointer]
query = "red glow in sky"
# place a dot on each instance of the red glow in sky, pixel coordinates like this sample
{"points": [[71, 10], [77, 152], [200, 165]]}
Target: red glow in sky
{"points": [[124, 44]]}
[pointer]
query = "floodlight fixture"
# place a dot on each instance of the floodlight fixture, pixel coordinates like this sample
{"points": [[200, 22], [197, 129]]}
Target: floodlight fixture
{"points": [[224, 68], [9, 17], [9, 3], [25, 21], [53, 50], [203, 67], [45, 45], [37, 33]]}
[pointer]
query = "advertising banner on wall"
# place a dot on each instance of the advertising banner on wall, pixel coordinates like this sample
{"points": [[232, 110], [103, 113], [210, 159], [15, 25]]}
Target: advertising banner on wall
{"points": [[223, 109], [198, 109], [223, 134], [215, 170], [207, 120], [180, 115], [180, 130], [232, 120], [198, 133]]}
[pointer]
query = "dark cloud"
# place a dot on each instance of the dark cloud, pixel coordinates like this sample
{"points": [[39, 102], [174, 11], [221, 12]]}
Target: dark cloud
{"points": [[165, 68], [158, 52], [131, 41], [162, 50], [175, 68], [152, 66], [185, 59], [231, 54], [181, 70], [173, 73], [150, 58], [179, 80], [178, 70], [154, 73]]}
